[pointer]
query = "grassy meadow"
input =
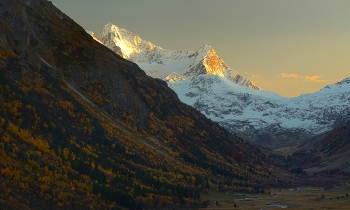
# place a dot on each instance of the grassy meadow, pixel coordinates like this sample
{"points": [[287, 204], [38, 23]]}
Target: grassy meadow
{"points": [[309, 198]]}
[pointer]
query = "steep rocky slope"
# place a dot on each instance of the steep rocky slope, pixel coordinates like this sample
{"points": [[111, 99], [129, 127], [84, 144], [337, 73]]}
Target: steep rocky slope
{"points": [[81, 127]]}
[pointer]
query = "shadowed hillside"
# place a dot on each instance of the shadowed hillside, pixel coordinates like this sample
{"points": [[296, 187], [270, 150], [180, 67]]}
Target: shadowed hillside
{"points": [[326, 157], [80, 127]]}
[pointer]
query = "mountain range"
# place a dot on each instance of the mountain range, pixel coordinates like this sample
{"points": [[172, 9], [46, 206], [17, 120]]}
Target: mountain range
{"points": [[202, 80], [81, 127]]}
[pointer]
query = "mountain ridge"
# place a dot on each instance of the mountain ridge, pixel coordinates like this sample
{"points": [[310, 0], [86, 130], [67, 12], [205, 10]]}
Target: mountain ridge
{"points": [[162, 63]]}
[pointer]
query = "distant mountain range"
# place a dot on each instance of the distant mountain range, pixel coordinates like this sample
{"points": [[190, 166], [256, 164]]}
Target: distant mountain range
{"points": [[202, 79]]}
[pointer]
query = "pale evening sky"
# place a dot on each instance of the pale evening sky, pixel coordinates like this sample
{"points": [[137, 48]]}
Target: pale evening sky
{"points": [[287, 47]]}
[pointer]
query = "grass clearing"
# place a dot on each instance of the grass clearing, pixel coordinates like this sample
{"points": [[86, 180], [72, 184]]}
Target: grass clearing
{"points": [[309, 198]]}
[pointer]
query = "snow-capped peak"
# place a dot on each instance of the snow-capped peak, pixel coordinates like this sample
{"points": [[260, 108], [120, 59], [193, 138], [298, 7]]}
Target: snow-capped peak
{"points": [[213, 63], [170, 65], [204, 49], [128, 42]]}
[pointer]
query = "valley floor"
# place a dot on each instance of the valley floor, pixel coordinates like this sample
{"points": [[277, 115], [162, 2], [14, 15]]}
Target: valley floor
{"points": [[310, 198]]}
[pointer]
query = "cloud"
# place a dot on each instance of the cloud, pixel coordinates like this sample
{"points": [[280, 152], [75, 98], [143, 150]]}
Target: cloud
{"points": [[314, 78], [294, 76]]}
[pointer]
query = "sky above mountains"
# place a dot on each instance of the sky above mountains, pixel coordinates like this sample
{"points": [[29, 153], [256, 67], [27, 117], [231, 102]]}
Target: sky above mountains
{"points": [[287, 47]]}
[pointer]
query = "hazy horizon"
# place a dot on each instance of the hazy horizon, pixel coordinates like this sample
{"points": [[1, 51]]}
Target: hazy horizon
{"points": [[287, 47]]}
